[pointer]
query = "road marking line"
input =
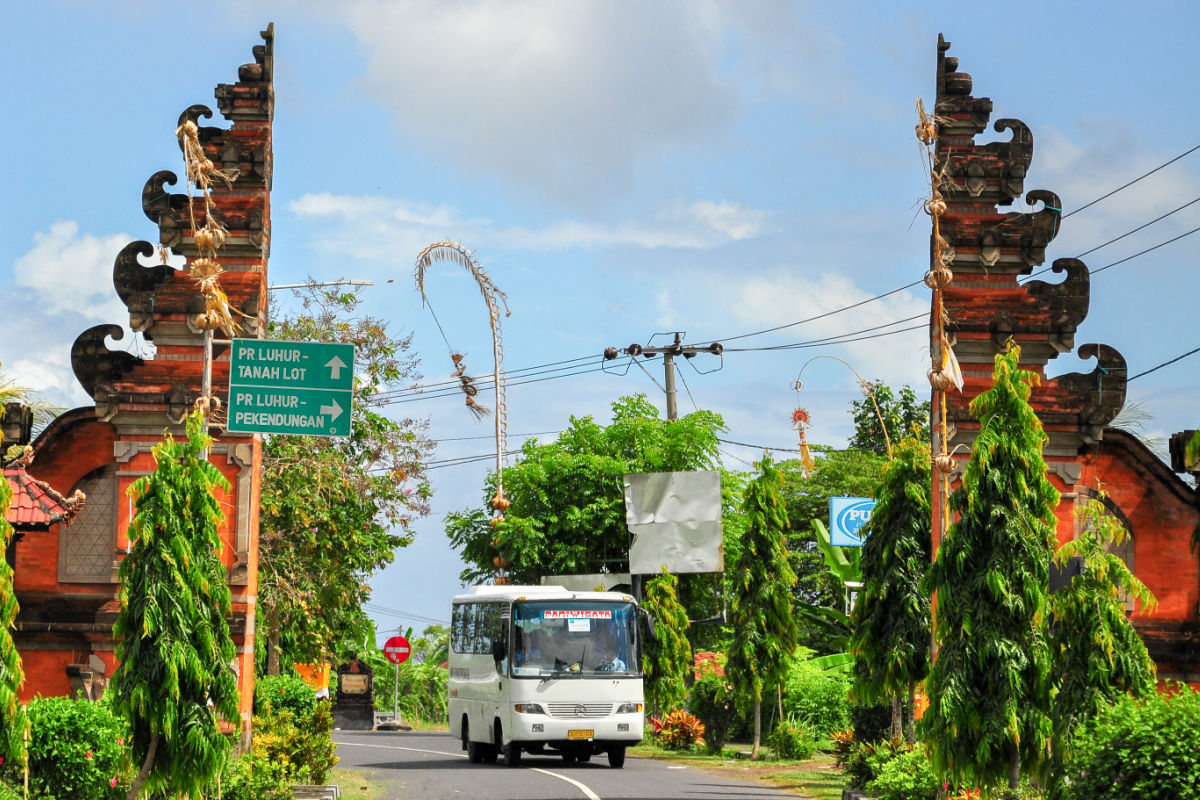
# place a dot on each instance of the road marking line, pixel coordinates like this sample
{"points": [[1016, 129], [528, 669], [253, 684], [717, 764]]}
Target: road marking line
{"points": [[588, 793], [398, 747]]}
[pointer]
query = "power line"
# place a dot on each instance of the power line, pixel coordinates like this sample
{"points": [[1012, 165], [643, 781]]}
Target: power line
{"points": [[759, 446], [1138, 228], [843, 338], [686, 388], [822, 315], [1135, 180], [463, 460], [430, 388], [737, 458], [482, 380], [839, 338], [392, 612], [450, 388], [1147, 250], [1164, 364], [492, 436], [434, 395], [1044, 270]]}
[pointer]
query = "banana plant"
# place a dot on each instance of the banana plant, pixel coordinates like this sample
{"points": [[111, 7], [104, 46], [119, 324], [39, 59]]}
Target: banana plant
{"points": [[832, 622]]}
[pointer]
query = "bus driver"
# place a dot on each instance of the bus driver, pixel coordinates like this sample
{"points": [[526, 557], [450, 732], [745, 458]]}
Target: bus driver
{"points": [[608, 658], [533, 654]]}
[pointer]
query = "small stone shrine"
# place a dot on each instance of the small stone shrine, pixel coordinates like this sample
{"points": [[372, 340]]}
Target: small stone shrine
{"points": [[354, 701]]}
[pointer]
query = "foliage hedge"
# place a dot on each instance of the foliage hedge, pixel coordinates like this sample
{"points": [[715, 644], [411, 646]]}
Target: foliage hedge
{"points": [[289, 748], [422, 687], [792, 740], [871, 723], [907, 776], [711, 700], [816, 696], [1147, 748], [78, 750], [679, 730], [283, 693]]}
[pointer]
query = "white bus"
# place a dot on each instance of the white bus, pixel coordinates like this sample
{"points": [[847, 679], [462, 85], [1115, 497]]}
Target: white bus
{"points": [[540, 669]]}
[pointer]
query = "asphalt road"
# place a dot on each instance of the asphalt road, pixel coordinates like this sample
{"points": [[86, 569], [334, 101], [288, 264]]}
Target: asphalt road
{"points": [[431, 766]]}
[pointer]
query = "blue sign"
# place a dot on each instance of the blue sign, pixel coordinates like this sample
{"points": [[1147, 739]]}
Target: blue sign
{"points": [[847, 516]]}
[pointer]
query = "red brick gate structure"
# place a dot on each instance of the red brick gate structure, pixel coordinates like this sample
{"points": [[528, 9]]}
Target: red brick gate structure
{"points": [[986, 306], [65, 577]]}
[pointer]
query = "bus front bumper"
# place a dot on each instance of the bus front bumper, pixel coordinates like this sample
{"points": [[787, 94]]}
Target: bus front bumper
{"points": [[615, 729]]}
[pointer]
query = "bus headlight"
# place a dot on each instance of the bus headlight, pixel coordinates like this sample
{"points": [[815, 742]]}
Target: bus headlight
{"points": [[629, 708], [529, 708]]}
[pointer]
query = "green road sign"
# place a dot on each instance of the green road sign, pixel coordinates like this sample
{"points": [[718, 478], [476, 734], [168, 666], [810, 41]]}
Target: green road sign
{"points": [[290, 387]]}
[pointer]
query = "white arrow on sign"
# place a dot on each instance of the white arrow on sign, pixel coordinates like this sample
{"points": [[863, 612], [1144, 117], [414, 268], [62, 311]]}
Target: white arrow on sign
{"points": [[334, 411], [336, 365]]}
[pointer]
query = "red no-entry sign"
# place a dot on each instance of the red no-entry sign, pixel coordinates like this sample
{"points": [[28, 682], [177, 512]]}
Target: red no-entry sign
{"points": [[396, 650]]}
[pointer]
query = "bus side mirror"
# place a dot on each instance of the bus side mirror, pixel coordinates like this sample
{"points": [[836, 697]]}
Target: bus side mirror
{"points": [[499, 650], [648, 620]]}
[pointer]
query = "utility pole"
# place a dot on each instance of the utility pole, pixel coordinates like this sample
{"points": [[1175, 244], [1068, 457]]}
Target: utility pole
{"points": [[668, 352]]}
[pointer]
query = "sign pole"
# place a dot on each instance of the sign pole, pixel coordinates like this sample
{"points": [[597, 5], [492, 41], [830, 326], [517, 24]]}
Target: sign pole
{"points": [[397, 650]]}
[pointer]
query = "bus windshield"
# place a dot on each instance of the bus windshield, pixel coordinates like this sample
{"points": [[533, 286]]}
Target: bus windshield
{"points": [[574, 638]]}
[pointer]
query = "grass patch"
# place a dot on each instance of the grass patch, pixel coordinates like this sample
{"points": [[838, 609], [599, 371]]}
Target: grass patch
{"points": [[817, 778], [354, 785]]}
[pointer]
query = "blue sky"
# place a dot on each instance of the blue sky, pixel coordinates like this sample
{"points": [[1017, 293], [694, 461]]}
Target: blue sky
{"points": [[622, 169]]}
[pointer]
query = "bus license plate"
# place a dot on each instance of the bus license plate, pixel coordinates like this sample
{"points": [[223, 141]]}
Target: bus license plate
{"points": [[581, 734]]}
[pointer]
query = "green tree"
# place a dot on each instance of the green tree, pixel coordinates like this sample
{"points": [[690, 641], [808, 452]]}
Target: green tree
{"points": [[12, 717], [568, 500], [1098, 655], [836, 473], [900, 411], [433, 646], [891, 620], [990, 685], [334, 511], [175, 680], [764, 629], [667, 658]]}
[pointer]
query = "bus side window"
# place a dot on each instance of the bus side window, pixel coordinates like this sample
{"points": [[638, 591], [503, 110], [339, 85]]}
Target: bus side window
{"points": [[486, 626], [458, 628]]}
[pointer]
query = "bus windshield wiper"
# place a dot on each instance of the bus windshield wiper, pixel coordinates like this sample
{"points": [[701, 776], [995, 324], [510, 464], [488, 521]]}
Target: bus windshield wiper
{"points": [[560, 667]]}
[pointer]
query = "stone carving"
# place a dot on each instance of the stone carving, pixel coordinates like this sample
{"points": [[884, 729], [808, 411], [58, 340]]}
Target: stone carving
{"points": [[92, 361], [985, 304], [1098, 395], [136, 284]]}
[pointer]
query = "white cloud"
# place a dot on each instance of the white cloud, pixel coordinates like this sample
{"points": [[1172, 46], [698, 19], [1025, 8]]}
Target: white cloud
{"points": [[73, 272], [371, 226], [732, 219], [62, 286], [668, 317], [1083, 168], [352, 207], [565, 97], [782, 297]]}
